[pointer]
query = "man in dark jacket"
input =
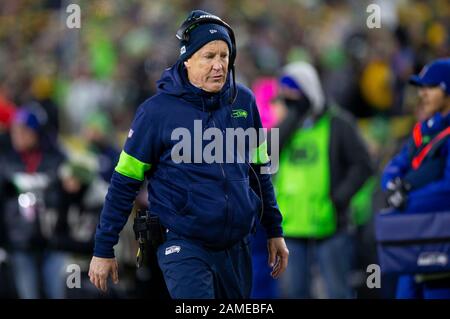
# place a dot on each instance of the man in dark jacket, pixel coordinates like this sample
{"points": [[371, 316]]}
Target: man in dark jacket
{"points": [[76, 203], [323, 163], [209, 208], [27, 171]]}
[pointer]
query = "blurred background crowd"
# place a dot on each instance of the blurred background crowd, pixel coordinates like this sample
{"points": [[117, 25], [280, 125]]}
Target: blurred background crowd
{"points": [[75, 92]]}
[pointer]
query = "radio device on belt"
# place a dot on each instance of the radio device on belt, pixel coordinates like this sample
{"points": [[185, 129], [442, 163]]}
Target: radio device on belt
{"points": [[147, 229]]}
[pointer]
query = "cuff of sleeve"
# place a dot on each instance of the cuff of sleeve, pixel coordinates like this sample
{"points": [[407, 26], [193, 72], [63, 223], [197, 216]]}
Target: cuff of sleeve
{"points": [[274, 232], [103, 250]]}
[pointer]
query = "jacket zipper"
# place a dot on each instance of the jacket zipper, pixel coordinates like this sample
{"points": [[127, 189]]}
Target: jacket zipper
{"points": [[225, 188]]}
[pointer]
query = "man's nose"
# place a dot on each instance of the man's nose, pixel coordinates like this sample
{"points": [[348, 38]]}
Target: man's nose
{"points": [[217, 65]]}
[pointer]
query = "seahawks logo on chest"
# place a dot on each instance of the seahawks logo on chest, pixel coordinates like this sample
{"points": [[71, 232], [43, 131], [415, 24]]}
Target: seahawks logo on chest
{"points": [[237, 113]]}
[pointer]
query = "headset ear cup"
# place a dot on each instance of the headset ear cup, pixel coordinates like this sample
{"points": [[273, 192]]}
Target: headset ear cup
{"points": [[181, 32]]}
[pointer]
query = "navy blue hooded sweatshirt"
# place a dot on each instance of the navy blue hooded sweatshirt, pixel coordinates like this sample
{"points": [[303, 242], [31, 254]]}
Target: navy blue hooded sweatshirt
{"points": [[216, 204]]}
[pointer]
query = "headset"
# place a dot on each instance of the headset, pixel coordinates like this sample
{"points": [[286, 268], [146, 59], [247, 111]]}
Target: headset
{"points": [[191, 23]]}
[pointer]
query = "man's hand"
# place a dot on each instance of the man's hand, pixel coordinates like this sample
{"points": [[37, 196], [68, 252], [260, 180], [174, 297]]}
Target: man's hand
{"points": [[100, 269], [278, 256]]}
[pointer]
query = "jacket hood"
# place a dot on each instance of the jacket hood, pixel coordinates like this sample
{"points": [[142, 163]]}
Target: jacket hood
{"points": [[174, 82], [307, 78]]}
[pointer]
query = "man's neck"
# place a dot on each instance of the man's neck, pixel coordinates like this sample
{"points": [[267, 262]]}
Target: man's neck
{"points": [[193, 84], [192, 81]]}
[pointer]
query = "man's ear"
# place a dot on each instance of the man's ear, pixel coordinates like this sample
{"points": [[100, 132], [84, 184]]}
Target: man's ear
{"points": [[186, 63]]}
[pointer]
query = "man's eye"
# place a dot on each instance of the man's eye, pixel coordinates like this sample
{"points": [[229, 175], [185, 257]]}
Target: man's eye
{"points": [[224, 56], [209, 56]]}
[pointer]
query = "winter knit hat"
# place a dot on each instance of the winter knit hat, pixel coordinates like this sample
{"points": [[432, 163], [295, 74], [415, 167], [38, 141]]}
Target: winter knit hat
{"points": [[200, 34]]}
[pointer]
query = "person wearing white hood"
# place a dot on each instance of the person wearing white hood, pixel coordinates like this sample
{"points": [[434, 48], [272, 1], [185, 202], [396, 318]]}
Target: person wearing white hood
{"points": [[323, 163]]}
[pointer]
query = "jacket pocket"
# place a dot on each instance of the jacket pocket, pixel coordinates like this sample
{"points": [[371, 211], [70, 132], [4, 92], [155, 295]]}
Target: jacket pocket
{"points": [[206, 212], [180, 199]]}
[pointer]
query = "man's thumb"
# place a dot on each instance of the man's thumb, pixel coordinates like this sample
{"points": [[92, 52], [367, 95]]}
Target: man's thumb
{"points": [[272, 253]]}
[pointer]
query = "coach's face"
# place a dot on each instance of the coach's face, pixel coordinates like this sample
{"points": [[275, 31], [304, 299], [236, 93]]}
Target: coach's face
{"points": [[207, 68]]}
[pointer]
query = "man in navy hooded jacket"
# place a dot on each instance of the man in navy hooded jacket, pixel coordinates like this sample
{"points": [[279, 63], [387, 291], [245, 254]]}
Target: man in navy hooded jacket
{"points": [[208, 208]]}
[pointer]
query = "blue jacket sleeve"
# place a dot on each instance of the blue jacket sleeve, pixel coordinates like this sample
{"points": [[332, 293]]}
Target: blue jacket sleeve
{"points": [[141, 149], [441, 185], [118, 205], [271, 215], [398, 166]]}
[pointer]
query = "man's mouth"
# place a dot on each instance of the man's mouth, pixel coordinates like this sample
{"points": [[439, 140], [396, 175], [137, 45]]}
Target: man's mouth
{"points": [[217, 77]]}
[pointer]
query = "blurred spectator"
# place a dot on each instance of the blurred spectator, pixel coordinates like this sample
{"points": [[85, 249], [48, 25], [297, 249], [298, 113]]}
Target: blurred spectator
{"points": [[97, 132], [27, 171], [418, 178], [41, 91], [77, 205], [7, 109], [265, 90], [85, 95], [323, 164]]}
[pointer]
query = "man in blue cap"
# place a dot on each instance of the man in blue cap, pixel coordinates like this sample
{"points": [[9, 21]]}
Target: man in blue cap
{"points": [[207, 208], [418, 178]]}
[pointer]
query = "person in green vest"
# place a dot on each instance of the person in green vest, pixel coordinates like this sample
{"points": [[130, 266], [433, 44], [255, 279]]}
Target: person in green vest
{"points": [[323, 163]]}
